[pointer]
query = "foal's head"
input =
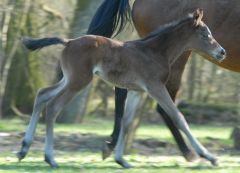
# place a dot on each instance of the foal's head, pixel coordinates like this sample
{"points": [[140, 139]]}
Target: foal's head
{"points": [[202, 39]]}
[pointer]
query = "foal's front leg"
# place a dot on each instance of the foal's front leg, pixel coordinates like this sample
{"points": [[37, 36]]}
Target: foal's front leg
{"points": [[188, 153], [173, 85], [133, 101], [120, 98], [160, 93]]}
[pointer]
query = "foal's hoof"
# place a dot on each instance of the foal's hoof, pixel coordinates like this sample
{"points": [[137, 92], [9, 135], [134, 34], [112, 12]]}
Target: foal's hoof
{"points": [[190, 156], [208, 156], [124, 164], [214, 162], [23, 152], [106, 151], [21, 155], [51, 162]]}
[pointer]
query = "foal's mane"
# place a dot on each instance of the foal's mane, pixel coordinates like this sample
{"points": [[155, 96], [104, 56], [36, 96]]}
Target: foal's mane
{"points": [[168, 28]]}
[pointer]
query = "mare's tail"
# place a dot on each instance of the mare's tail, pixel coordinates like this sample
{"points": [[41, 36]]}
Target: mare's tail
{"points": [[110, 17], [34, 44]]}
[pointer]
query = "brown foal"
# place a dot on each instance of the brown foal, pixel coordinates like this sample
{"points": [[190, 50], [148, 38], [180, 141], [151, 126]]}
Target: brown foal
{"points": [[142, 65]]}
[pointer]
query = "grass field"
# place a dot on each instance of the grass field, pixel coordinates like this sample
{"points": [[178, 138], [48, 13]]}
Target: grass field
{"points": [[216, 138]]}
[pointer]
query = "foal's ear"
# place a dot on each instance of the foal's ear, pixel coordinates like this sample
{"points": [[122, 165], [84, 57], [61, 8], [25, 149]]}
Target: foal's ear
{"points": [[197, 16]]}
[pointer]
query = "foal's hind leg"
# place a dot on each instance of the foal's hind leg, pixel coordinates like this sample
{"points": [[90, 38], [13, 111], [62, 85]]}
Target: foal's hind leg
{"points": [[165, 101], [43, 96], [53, 109]]}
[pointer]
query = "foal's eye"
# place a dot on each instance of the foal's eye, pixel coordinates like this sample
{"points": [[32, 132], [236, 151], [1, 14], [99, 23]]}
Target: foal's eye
{"points": [[207, 36]]}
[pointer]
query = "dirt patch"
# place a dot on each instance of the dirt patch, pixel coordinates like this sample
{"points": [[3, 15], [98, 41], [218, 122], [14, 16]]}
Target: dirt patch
{"points": [[93, 143], [66, 142]]}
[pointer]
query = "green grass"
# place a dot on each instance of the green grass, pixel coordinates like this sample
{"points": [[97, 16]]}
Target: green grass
{"points": [[104, 127], [90, 162]]}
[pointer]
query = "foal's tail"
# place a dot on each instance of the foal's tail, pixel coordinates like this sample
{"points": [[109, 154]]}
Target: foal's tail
{"points": [[111, 16], [34, 44]]}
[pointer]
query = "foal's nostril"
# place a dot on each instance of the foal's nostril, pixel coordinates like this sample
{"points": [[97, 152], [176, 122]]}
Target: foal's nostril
{"points": [[223, 52]]}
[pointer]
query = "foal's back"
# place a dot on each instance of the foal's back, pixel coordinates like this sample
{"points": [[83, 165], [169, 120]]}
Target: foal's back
{"points": [[84, 56], [120, 63], [88, 49]]}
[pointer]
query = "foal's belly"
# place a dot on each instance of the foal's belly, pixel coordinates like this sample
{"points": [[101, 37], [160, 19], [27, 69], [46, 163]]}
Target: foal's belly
{"points": [[121, 80]]}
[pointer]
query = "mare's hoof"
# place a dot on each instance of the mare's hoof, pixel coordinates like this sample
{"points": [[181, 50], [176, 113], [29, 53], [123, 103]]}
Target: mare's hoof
{"points": [[124, 164], [190, 156], [106, 151], [51, 162], [21, 155]]}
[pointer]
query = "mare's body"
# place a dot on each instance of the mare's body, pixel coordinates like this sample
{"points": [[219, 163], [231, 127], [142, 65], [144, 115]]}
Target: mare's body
{"points": [[223, 18]]}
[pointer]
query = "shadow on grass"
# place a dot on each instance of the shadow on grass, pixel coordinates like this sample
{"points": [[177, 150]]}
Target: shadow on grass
{"points": [[91, 166], [35, 166]]}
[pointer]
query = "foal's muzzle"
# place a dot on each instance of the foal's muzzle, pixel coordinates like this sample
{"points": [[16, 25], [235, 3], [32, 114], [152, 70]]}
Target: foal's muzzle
{"points": [[221, 55]]}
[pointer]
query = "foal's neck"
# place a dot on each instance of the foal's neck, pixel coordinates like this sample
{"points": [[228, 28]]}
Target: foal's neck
{"points": [[169, 44]]}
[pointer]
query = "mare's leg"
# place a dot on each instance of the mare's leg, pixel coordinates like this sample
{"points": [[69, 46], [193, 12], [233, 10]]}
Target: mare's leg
{"points": [[54, 108], [120, 97], [133, 101], [173, 86], [160, 93], [43, 96]]}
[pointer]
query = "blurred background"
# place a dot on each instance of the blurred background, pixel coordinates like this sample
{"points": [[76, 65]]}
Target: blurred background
{"points": [[209, 94], [23, 73]]}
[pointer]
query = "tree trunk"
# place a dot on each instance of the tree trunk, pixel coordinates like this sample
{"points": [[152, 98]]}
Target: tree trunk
{"points": [[192, 77], [4, 23], [200, 80], [210, 81], [20, 75], [235, 136]]}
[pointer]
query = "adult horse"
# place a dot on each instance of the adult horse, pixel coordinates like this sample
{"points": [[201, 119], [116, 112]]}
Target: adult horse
{"points": [[223, 18]]}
